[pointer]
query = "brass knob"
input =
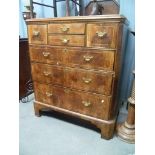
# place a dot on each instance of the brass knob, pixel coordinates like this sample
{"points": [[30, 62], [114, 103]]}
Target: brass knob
{"points": [[36, 33], [46, 73], [101, 34], [46, 54], [65, 40], [87, 58], [48, 94], [86, 80], [65, 28], [86, 104]]}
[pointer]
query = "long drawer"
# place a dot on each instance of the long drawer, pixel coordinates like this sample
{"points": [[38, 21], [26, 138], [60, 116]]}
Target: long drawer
{"points": [[85, 103], [74, 57], [87, 80]]}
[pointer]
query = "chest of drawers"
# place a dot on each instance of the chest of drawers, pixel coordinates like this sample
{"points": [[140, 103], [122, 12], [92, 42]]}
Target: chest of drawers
{"points": [[75, 63]]}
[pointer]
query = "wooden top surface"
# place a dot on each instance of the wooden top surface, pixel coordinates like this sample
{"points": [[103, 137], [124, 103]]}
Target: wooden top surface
{"points": [[114, 17]]}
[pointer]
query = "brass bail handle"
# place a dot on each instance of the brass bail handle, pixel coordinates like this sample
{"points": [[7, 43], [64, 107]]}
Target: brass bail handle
{"points": [[36, 33], [46, 54], [48, 94], [87, 58], [86, 104], [46, 73], [86, 80], [101, 34], [65, 28]]}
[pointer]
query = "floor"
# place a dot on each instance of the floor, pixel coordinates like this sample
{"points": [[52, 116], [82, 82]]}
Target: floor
{"points": [[57, 134]]}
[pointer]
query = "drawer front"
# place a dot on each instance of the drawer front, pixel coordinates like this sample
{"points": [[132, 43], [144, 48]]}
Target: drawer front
{"points": [[74, 57], [74, 28], [46, 55], [74, 78], [66, 40], [85, 103], [90, 59], [37, 34], [47, 74], [101, 35], [89, 81]]}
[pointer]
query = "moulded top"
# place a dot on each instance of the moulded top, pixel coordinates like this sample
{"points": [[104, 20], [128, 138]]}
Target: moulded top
{"points": [[114, 17]]}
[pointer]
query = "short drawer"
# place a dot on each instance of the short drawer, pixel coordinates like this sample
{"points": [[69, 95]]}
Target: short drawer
{"points": [[37, 34], [73, 28], [90, 58], [66, 40], [47, 73], [86, 80], [95, 105], [102, 35], [46, 55]]}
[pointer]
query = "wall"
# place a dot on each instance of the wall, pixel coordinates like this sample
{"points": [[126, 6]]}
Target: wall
{"points": [[22, 25], [127, 8]]}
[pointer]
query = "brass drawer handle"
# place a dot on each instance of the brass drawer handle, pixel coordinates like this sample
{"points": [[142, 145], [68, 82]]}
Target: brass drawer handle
{"points": [[46, 54], [67, 91], [86, 104], [46, 73], [48, 94], [36, 33], [101, 34], [65, 40], [65, 28], [87, 58], [86, 80]]}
